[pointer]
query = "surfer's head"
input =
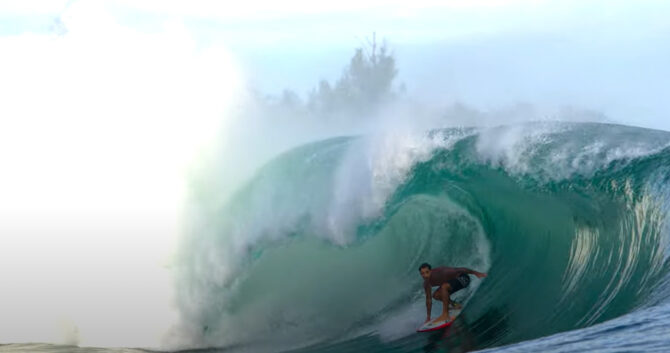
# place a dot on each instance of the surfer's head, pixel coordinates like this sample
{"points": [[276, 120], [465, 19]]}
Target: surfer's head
{"points": [[424, 269]]}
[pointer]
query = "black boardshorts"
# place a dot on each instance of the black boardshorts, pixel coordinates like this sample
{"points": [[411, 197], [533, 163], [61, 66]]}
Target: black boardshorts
{"points": [[459, 283]]}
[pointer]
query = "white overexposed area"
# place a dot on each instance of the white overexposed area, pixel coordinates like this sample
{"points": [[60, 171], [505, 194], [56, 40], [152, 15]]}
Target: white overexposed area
{"points": [[108, 107]]}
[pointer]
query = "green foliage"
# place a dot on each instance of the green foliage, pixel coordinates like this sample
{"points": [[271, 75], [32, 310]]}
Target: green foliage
{"points": [[365, 83]]}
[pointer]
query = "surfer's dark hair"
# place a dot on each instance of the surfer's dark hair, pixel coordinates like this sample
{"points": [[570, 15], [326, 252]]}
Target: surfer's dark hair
{"points": [[425, 264]]}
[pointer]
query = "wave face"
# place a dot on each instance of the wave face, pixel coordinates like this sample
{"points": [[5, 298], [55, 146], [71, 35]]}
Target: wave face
{"points": [[321, 248]]}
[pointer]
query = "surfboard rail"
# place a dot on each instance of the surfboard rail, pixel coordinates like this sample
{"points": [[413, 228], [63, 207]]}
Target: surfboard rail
{"points": [[431, 326], [434, 326]]}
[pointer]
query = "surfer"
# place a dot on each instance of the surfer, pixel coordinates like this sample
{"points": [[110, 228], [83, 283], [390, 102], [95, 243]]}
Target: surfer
{"points": [[449, 280]]}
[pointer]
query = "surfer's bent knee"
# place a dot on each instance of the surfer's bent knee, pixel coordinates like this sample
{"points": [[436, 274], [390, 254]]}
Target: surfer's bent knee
{"points": [[446, 286]]}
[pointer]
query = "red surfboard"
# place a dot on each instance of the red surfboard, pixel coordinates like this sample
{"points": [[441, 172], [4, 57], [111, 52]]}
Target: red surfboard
{"points": [[430, 326], [434, 326]]}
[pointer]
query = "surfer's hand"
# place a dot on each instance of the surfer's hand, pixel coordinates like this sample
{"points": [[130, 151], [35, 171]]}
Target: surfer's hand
{"points": [[480, 275]]}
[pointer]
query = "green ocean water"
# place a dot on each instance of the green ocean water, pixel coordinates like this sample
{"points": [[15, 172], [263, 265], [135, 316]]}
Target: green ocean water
{"points": [[320, 250]]}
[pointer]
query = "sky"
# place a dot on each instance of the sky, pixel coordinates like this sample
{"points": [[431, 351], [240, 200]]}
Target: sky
{"points": [[107, 106], [608, 56]]}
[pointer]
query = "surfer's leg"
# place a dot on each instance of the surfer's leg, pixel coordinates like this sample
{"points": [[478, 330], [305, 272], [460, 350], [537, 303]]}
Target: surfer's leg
{"points": [[444, 292], [457, 284], [444, 297], [452, 303], [436, 295]]}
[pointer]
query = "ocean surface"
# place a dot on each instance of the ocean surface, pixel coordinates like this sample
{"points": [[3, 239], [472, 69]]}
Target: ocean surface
{"points": [[319, 251]]}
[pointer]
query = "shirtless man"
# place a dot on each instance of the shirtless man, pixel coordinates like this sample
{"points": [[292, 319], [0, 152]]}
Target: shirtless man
{"points": [[449, 280]]}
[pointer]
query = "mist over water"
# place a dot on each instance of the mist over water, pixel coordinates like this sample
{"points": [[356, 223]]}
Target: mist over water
{"points": [[239, 202], [99, 125]]}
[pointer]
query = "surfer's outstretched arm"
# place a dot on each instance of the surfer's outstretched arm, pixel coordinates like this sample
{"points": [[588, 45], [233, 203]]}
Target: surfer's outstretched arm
{"points": [[462, 270], [429, 303]]}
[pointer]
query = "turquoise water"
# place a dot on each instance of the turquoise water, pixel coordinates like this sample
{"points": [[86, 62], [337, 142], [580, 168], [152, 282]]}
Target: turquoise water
{"points": [[319, 251]]}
